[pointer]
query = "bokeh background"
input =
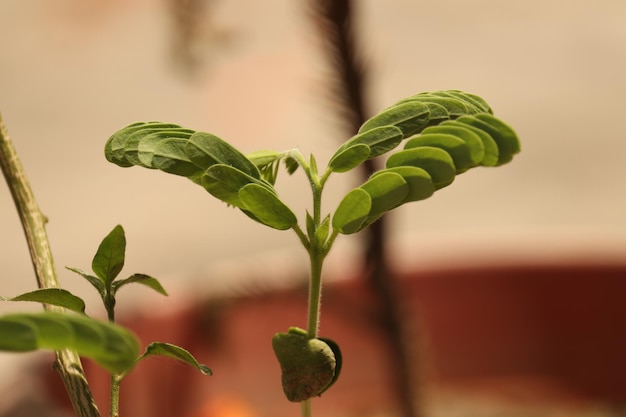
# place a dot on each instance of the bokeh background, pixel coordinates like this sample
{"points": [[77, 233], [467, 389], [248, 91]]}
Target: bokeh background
{"points": [[254, 73]]}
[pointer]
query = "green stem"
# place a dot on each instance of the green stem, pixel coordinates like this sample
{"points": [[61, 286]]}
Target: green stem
{"points": [[317, 252], [305, 408], [33, 222], [115, 395], [315, 292], [114, 408]]}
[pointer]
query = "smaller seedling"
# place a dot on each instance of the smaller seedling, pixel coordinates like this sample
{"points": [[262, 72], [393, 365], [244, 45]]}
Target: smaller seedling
{"points": [[111, 346]]}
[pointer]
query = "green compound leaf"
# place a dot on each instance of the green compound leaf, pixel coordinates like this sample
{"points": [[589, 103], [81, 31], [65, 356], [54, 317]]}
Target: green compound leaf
{"points": [[308, 366], [52, 296], [174, 352], [111, 346], [352, 212], [109, 259], [143, 279], [266, 207]]}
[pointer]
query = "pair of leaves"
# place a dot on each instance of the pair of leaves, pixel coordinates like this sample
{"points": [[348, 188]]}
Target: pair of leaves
{"points": [[107, 264], [457, 131], [309, 366]]}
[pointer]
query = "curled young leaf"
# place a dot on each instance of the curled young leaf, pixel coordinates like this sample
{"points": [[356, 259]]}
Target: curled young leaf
{"points": [[291, 165]]}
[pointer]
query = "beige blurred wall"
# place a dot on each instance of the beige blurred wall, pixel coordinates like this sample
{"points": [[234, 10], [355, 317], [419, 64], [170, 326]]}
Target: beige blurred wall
{"points": [[73, 73]]}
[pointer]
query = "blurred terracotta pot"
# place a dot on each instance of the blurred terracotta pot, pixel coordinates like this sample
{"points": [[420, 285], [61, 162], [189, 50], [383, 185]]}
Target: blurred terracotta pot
{"points": [[560, 326]]}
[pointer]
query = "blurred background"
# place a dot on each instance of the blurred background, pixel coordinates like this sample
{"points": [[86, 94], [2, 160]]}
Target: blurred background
{"points": [[256, 75]]}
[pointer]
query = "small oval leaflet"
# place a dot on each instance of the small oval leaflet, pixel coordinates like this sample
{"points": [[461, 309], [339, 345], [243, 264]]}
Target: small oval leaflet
{"points": [[352, 211], [437, 162], [349, 158], [266, 207]]}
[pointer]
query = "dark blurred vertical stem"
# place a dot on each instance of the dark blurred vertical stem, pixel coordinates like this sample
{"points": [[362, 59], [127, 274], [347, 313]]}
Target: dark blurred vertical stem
{"points": [[335, 21], [33, 221]]}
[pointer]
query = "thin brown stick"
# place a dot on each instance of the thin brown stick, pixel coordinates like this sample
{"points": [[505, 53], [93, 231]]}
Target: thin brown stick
{"points": [[33, 222], [335, 21]]}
